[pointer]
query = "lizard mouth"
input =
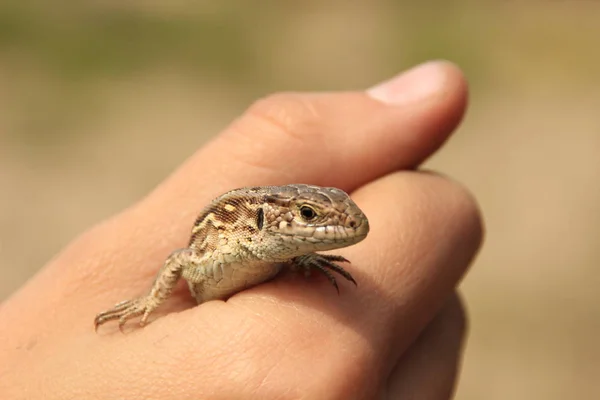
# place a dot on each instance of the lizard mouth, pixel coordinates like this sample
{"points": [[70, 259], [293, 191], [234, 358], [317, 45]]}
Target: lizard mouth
{"points": [[331, 234]]}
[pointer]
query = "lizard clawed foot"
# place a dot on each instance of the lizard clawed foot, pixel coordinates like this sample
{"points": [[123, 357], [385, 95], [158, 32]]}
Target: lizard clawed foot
{"points": [[325, 264], [126, 310]]}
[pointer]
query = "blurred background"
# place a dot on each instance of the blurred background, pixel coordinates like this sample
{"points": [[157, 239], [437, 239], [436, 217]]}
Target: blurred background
{"points": [[101, 100]]}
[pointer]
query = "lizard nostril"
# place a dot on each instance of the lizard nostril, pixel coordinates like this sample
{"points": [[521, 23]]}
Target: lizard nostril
{"points": [[352, 224]]}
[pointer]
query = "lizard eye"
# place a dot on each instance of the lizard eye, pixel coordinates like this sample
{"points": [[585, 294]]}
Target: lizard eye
{"points": [[307, 213]]}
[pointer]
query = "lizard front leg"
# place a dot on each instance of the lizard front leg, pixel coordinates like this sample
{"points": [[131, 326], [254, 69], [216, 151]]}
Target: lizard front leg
{"points": [[324, 263], [163, 285]]}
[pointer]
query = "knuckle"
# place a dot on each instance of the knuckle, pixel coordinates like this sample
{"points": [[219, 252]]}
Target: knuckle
{"points": [[447, 211], [456, 319], [454, 204], [441, 199], [288, 113], [467, 212]]}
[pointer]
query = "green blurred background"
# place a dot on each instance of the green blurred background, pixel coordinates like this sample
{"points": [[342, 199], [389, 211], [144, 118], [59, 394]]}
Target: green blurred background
{"points": [[100, 100]]}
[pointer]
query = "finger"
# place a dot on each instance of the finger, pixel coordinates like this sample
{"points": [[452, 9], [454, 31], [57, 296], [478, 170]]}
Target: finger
{"points": [[429, 369], [425, 231], [331, 139]]}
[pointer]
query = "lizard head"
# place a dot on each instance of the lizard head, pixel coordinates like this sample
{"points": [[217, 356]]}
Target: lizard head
{"points": [[299, 219]]}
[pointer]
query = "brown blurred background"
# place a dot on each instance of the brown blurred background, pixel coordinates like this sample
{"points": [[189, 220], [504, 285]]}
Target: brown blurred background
{"points": [[100, 100]]}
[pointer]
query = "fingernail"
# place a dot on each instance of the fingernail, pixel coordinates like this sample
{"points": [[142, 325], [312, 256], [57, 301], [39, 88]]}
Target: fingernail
{"points": [[410, 86]]}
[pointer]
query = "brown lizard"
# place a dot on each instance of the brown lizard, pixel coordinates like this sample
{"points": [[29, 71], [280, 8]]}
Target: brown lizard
{"points": [[246, 236]]}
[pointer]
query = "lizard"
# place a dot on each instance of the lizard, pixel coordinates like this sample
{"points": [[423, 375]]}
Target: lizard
{"points": [[247, 236]]}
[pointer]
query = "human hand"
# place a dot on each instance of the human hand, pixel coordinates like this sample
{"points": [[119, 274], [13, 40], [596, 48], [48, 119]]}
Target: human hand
{"points": [[397, 335]]}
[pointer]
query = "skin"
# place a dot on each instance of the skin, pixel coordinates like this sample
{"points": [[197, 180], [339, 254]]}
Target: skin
{"points": [[399, 334]]}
